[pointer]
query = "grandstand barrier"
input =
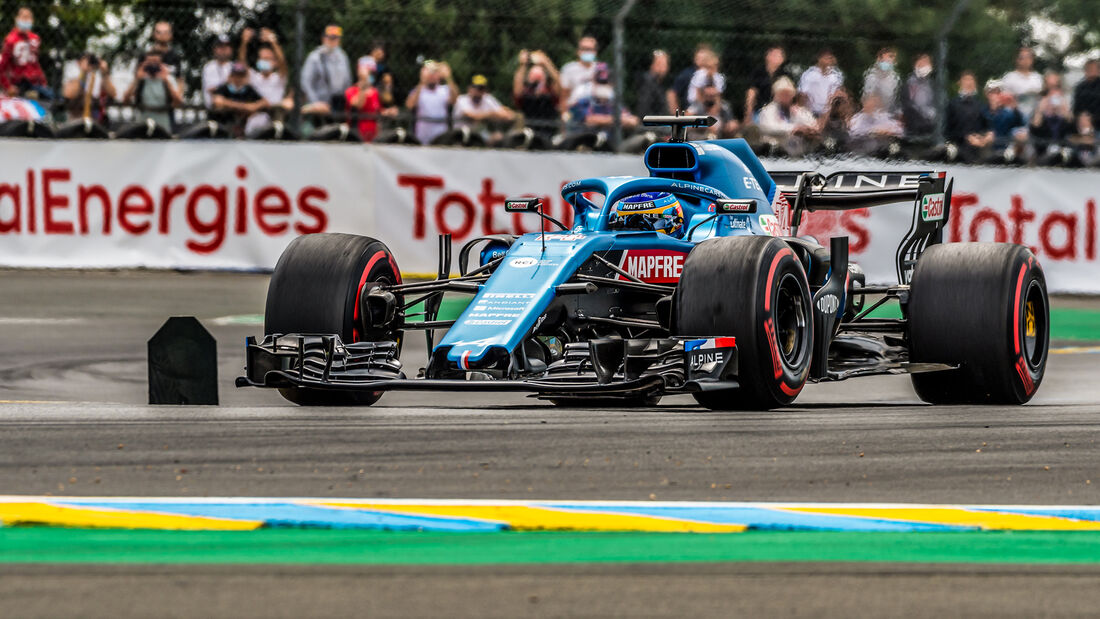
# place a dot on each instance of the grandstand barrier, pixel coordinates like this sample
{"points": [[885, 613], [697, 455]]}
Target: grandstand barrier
{"points": [[236, 204]]}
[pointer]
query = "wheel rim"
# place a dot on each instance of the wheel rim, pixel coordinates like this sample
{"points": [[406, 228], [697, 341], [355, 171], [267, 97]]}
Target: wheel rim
{"points": [[1035, 326], [790, 321]]}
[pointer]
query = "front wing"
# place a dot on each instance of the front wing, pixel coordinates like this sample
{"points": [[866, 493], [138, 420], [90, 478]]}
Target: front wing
{"points": [[604, 368]]}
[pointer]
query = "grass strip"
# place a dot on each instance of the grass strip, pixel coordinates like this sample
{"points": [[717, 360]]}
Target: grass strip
{"points": [[334, 546]]}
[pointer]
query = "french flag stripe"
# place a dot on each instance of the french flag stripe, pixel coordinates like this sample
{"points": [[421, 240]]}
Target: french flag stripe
{"points": [[710, 343], [464, 360]]}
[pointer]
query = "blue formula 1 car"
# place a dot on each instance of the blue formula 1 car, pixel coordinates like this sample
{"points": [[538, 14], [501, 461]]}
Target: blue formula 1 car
{"points": [[691, 280]]}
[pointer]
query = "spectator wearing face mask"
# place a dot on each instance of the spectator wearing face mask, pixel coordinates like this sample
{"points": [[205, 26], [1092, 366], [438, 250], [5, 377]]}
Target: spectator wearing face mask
{"points": [[236, 101], [216, 71], [595, 110], [154, 92], [820, 81], [20, 73], [479, 110], [576, 75], [364, 102], [882, 80], [269, 77], [536, 90], [431, 99], [326, 75], [918, 99]]}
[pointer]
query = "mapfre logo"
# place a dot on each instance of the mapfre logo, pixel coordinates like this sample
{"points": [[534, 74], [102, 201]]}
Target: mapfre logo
{"points": [[655, 266], [931, 207]]}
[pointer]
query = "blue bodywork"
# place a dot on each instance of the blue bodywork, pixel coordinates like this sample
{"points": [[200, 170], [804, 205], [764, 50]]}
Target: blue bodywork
{"points": [[509, 304]]}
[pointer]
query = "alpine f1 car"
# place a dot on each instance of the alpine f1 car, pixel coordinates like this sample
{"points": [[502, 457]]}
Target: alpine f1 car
{"points": [[692, 280]]}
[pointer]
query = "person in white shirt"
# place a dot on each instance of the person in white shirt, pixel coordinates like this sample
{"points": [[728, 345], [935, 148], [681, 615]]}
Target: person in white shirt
{"points": [[882, 80], [216, 72], [478, 109], [1024, 82], [269, 77], [706, 75], [430, 100], [579, 72], [820, 81], [785, 123]]}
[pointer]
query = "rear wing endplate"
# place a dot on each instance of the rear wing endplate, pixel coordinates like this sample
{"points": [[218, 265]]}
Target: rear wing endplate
{"points": [[929, 191]]}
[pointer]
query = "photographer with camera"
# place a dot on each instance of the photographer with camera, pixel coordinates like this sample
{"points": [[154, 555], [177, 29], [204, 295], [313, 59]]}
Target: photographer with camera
{"points": [[20, 73], [431, 100], [536, 88], [154, 91], [88, 93]]}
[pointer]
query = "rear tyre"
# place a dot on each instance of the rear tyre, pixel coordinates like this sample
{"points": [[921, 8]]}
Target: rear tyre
{"points": [[315, 290], [984, 307], [754, 289]]}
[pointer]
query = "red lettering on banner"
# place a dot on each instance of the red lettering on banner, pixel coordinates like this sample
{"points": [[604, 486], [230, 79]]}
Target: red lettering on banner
{"points": [[306, 207], [489, 203], [51, 201], [1069, 247], [420, 185], [469, 214], [264, 208], [30, 200], [127, 207], [860, 236], [216, 227], [12, 191], [99, 192], [1000, 232], [958, 201], [1090, 230], [167, 194], [1019, 216], [242, 203]]}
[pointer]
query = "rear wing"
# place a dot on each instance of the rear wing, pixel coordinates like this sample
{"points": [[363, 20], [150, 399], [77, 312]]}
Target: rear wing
{"points": [[930, 193]]}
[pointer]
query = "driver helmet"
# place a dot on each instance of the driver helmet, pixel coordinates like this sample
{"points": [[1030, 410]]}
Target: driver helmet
{"points": [[654, 210]]}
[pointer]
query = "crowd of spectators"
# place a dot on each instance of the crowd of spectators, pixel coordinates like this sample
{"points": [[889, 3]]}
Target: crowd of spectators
{"points": [[246, 89]]}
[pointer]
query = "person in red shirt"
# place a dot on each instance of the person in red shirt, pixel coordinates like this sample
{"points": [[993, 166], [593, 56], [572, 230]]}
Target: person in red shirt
{"points": [[20, 73], [364, 102]]}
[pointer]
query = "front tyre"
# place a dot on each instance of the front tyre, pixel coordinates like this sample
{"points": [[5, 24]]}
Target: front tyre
{"points": [[983, 307], [754, 289], [315, 289]]}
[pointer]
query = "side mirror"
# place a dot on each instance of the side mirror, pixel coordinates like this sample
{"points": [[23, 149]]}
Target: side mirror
{"points": [[522, 205], [727, 206]]}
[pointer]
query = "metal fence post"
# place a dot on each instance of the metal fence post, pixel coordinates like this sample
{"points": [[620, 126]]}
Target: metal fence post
{"points": [[618, 28], [299, 56], [941, 62]]}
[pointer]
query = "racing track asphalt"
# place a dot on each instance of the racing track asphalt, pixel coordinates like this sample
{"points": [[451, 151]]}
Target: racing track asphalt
{"points": [[73, 422]]}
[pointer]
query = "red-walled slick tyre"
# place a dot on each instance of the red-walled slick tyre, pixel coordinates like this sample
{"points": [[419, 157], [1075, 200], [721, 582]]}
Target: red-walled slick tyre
{"points": [[754, 289], [315, 290], [983, 307]]}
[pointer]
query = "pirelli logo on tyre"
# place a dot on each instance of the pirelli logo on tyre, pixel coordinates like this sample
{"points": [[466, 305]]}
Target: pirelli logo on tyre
{"points": [[931, 207]]}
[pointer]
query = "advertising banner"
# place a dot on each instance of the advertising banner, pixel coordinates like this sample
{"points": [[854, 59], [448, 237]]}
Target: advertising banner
{"points": [[236, 204], [190, 205]]}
